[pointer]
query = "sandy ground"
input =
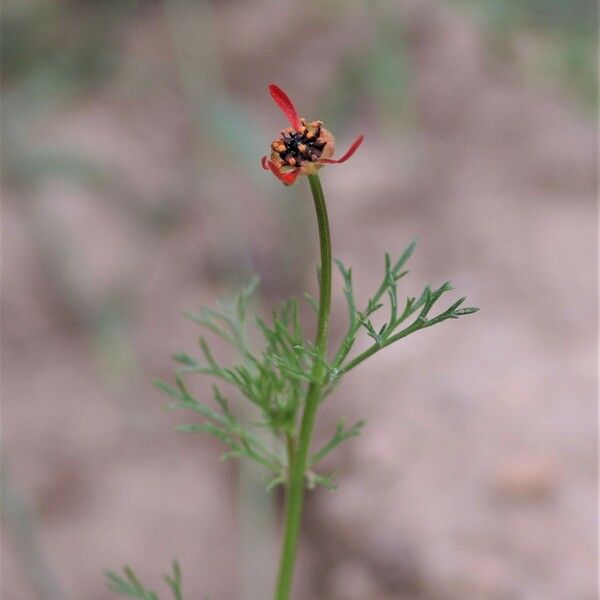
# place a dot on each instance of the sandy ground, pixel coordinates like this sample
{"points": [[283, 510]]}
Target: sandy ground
{"points": [[476, 475]]}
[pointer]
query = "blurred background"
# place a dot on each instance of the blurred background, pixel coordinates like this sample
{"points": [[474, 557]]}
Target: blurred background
{"points": [[132, 192]]}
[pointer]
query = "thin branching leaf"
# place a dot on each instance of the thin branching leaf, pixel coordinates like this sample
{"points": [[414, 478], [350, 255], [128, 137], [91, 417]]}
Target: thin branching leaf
{"points": [[312, 302], [338, 437]]}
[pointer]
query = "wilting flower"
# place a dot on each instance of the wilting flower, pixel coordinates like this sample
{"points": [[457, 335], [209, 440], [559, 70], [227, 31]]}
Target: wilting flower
{"points": [[302, 148]]}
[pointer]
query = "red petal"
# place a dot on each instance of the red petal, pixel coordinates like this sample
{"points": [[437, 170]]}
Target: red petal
{"points": [[286, 105], [346, 156], [263, 161], [287, 178]]}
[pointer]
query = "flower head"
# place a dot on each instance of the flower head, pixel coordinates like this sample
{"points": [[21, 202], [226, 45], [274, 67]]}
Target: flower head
{"points": [[304, 147]]}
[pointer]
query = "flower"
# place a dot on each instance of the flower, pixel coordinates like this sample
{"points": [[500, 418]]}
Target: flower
{"points": [[302, 148]]}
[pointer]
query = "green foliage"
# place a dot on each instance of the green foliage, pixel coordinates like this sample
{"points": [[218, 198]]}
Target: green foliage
{"points": [[223, 425], [276, 379], [131, 586], [390, 331], [341, 434]]}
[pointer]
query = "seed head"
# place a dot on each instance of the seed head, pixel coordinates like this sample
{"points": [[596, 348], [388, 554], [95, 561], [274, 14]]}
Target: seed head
{"points": [[303, 148]]}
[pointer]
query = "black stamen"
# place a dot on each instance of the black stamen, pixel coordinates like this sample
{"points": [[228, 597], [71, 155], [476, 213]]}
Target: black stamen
{"points": [[311, 148]]}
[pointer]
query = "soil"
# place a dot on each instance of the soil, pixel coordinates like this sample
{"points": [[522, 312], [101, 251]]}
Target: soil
{"points": [[475, 477]]}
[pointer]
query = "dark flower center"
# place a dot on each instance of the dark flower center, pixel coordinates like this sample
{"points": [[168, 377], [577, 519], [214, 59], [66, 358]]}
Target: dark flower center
{"points": [[297, 147]]}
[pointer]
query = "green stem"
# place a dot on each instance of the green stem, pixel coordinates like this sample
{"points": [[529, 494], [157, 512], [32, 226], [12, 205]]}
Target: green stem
{"points": [[298, 462]]}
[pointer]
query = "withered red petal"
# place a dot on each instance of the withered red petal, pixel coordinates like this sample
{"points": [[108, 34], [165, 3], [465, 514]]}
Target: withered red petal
{"points": [[286, 105], [287, 178], [263, 162], [345, 157]]}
